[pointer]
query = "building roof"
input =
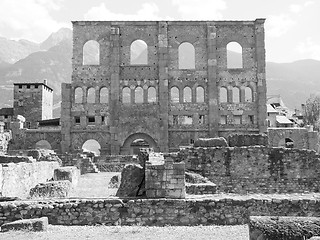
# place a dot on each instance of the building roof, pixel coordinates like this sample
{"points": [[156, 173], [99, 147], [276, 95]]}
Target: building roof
{"points": [[35, 83], [6, 111], [270, 109], [283, 120], [49, 122]]}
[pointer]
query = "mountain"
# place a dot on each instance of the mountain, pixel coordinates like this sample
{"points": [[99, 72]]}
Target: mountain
{"points": [[294, 81], [12, 51], [56, 38]]}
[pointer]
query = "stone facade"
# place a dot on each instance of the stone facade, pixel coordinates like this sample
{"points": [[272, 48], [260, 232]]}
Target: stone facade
{"points": [[101, 101]]}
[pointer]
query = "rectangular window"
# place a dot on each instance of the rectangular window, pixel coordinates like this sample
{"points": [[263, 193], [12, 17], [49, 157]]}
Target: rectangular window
{"points": [[237, 119], [91, 120], [223, 119], [201, 119], [77, 120], [187, 120], [175, 120], [28, 125], [28, 86], [36, 86], [5, 116], [251, 119]]}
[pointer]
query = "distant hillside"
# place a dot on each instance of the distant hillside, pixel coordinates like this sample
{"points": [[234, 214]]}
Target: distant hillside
{"points": [[12, 51]]}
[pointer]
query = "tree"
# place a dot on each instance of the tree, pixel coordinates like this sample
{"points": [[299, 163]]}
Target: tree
{"points": [[312, 111]]}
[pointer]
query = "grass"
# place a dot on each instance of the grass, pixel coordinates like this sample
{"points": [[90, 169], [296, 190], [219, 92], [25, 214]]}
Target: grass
{"points": [[239, 232]]}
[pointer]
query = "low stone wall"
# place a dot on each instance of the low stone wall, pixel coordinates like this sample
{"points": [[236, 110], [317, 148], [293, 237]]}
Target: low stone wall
{"points": [[201, 188], [158, 212], [16, 180], [255, 169], [114, 163], [240, 140]]}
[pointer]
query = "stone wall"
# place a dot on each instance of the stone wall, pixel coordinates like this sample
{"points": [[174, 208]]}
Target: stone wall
{"points": [[114, 163], [16, 180], [240, 140], [255, 169], [165, 180], [159, 212]]}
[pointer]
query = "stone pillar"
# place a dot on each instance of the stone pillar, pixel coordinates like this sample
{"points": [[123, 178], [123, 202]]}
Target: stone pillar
{"points": [[115, 85], [65, 119], [261, 76], [213, 93], [163, 86]]}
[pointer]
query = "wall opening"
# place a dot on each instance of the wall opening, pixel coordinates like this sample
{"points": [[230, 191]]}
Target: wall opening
{"points": [[139, 145], [174, 94], [43, 144], [104, 95], [137, 142], [93, 146], [138, 52], [126, 95], [138, 95], [234, 55], [248, 97], [186, 56], [236, 95], [286, 142], [91, 53], [91, 96], [223, 95], [152, 94], [200, 94], [78, 95], [187, 94]]}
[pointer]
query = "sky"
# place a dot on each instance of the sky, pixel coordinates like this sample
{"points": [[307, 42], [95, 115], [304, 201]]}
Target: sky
{"points": [[292, 26]]}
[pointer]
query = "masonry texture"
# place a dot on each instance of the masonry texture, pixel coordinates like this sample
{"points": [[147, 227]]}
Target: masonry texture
{"points": [[255, 169], [159, 212], [101, 101]]}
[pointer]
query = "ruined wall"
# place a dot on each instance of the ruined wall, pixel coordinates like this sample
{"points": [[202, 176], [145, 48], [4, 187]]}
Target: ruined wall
{"points": [[165, 179], [179, 121], [255, 169], [16, 180], [302, 138], [159, 212]]}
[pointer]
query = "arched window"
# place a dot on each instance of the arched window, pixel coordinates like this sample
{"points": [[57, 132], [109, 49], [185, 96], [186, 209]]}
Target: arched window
{"points": [[138, 95], [187, 94], [186, 56], [248, 95], [223, 95], [138, 52], [91, 53], [152, 94], [234, 55], [200, 94], [126, 95], [91, 96], [174, 93], [236, 95], [78, 95], [104, 95]]}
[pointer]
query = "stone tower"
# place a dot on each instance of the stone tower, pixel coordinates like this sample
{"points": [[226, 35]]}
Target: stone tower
{"points": [[34, 101]]}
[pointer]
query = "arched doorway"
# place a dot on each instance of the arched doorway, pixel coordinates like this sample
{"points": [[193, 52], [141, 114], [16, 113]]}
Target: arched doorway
{"points": [[286, 142], [92, 145], [138, 142], [43, 144]]}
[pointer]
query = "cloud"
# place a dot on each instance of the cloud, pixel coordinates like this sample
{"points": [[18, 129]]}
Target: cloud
{"points": [[29, 19], [206, 10], [279, 25], [309, 48], [149, 11], [297, 8]]}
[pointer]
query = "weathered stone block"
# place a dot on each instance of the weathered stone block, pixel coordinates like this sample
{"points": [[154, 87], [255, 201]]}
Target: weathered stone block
{"points": [[53, 189], [132, 181], [67, 173], [211, 142], [36, 224]]}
